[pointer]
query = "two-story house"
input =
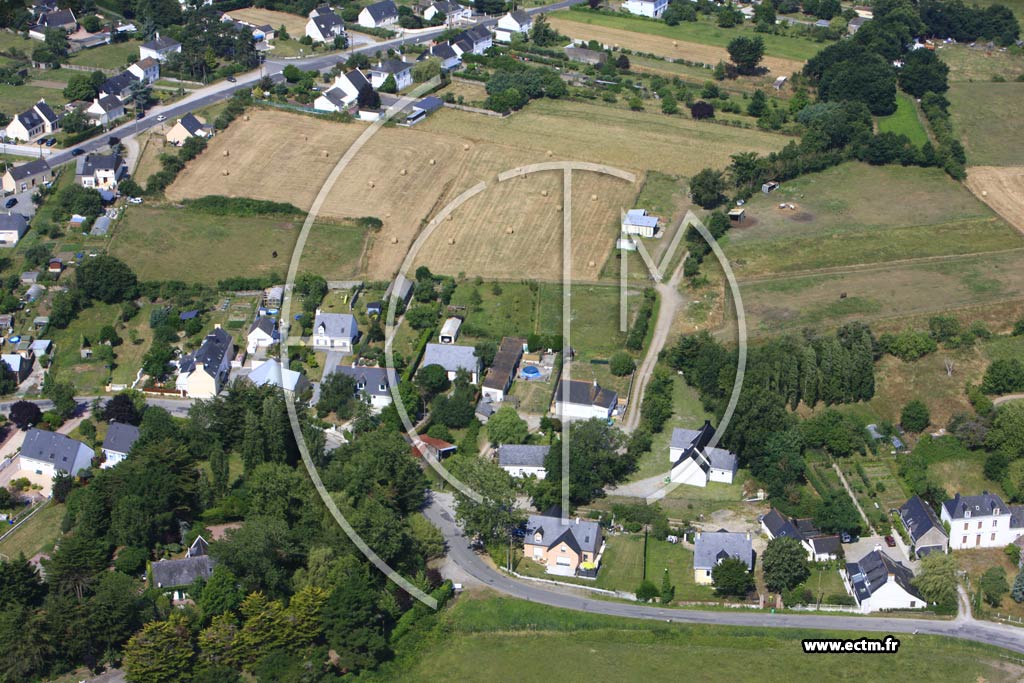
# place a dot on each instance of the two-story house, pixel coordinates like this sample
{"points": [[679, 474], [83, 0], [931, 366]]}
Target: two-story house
{"points": [[379, 15], [693, 463], [400, 70], [927, 535], [334, 331], [100, 171], [160, 48], [27, 176], [39, 119], [373, 384], [324, 25], [202, 374], [48, 453], [652, 9], [565, 546], [515, 23], [581, 400], [711, 549], [118, 443], [983, 521], [878, 582]]}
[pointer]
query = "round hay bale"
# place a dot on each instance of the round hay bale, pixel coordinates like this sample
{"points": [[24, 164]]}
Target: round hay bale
{"points": [[432, 162], [543, 193], [402, 172], [387, 215], [225, 172], [370, 183], [593, 197], [245, 118], [984, 193], [590, 264], [675, 43], [550, 153], [451, 217], [509, 231], [558, 208], [465, 146], [324, 153], [227, 153], [451, 240], [305, 138], [394, 240]]}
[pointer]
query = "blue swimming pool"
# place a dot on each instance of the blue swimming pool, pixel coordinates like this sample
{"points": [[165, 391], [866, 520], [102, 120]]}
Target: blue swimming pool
{"points": [[530, 372]]}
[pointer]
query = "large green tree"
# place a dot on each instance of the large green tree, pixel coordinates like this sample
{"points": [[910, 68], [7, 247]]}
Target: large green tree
{"points": [[107, 279], [746, 52], [160, 653], [785, 564], [731, 578], [936, 578], [506, 427]]}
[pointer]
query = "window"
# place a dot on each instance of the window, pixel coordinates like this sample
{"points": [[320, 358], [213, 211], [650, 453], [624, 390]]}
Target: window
{"points": [[995, 511], [964, 542], [995, 523], [993, 537], [979, 524], [965, 526], [967, 513], [913, 603]]}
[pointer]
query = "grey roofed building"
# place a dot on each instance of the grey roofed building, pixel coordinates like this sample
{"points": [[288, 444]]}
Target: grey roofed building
{"points": [[100, 226], [874, 433], [984, 504], [441, 50], [161, 43], [336, 97], [271, 372], [872, 572], [109, 103], [484, 409], [30, 277], [29, 169], [62, 452], [30, 118], [60, 17], [120, 437], [919, 518], [34, 292], [116, 85], [181, 573], [357, 79], [505, 363], [380, 11], [265, 324], [711, 548], [210, 354], [327, 21], [587, 56], [693, 440], [391, 66], [190, 123], [582, 392], [14, 222], [826, 545], [521, 16], [451, 357], [510, 455], [336, 324], [779, 525], [90, 163], [477, 33], [371, 379], [580, 535], [464, 42]]}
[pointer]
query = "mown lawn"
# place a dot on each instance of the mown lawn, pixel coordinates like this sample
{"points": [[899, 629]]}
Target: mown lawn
{"points": [[904, 121], [687, 413], [36, 535], [112, 56], [491, 638]]}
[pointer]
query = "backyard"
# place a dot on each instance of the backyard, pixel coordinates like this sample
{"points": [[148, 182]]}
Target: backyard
{"points": [[904, 121]]}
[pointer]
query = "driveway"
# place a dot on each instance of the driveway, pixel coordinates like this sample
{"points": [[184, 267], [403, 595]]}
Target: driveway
{"points": [[333, 360], [25, 206]]}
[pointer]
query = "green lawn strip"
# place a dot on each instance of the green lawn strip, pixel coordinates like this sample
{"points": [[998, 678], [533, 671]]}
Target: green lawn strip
{"points": [[37, 535], [704, 31], [687, 413], [904, 121], [112, 56]]}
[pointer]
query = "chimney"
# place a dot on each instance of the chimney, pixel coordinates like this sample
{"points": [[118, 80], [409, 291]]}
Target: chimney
{"points": [[748, 535], [216, 326], [577, 520]]}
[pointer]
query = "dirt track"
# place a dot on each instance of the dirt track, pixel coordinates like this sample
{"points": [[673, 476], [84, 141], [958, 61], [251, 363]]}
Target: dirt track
{"points": [[1002, 188]]}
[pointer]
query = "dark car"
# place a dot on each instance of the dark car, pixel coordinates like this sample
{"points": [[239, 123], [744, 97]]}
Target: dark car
{"points": [[51, 142], [232, 79], [890, 541], [113, 140], [11, 202], [77, 152], [140, 114]]}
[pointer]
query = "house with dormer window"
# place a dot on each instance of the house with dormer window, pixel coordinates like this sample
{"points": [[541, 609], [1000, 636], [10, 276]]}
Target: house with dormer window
{"points": [[374, 384], [983, 521], [565, 546]]}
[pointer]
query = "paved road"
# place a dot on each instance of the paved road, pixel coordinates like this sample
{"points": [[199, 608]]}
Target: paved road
{"points": [[178, 407], [440, 514]]}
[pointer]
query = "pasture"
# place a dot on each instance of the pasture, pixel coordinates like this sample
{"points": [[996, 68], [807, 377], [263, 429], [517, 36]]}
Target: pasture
{"points": [[976, 64], [904, 121], [700, 41], [990, 133], [1002, 188]]}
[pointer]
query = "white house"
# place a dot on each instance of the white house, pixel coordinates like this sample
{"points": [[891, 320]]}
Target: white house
{"points": [[711, 549], [646, 8], [262, 333], [453, 357], [402, 72], [344, 93], [147, 70], [334, 331], [271, 372], [878, 582], [100, 171], [47, 453], [474, 40], [160, 48], [523, 461], [452, 11], [188, 126], [37, 120], [13, 227], [581, 400], [120, 85], [374, 384], [983, 521], [104, 110], [695, 464], [516, 22], [819, 546], [503, 369], [639, 222], [379, 15], [450, 59], [324, 25], [202, 374], [118, 443]]}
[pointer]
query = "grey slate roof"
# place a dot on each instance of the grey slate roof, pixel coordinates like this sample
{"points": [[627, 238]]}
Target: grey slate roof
{"points": [[181, 573], [581, 392], [30, 118], [161, 43], [451, 357], [371, 378], [582, 535], [29, 169], [919, 518], [401, 287], [63, 452], [521, 16], [826, 545], [115, 85], [210, 354], [522, 456], [357, 79], [872, 572], [335, 96], [780, 525], [326, 21], [985, 504], [61, 17], [336, 325], [90, 163], [190, 123], [120, 437], [265, 324], [477, 34], [14, 221], [109, 103], [382, 10], [692, 441], [711, 548], [391, 66]]}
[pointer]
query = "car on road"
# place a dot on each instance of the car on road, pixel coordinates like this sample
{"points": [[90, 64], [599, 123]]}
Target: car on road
{"points": [[77, 152], [890, 541], [161, 117], [135, 200], [11, 202], [140, 115], [113, 140], [232, 79]]}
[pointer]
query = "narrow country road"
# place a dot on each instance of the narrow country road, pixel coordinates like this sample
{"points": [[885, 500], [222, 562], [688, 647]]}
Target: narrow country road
{"points": [[440, 513], [999, 400], [671, 301]]}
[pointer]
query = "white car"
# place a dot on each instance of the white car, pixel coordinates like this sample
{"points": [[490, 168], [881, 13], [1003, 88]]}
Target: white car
{"points": [[161, 117], [135, 200]]}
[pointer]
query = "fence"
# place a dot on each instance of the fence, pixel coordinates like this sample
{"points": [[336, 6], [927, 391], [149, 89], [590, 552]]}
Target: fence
{"points": [[79, 67], [24, 519], [825, 608], [476, 110], [602, 591]]}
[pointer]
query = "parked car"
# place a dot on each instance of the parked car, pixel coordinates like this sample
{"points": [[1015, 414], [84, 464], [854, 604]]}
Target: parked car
{"points": [[890, 541], [848, 538], [77, 152], [51, 142], [135, 200], [113, 140], [11, 202], [232, 79], [161, 117]]}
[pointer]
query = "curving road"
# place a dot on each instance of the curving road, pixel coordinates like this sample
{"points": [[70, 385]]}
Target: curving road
{"points": [[440, 513]]}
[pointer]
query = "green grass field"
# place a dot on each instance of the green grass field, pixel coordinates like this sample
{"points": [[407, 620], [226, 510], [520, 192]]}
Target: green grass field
{"points": [[36, 535], [17, 98], [990, 134], [595, 318], [495, 639], [687, 412], [112, 56], [704, 31], [973, 64], [904, 121], [165, 243], [507, 310]]}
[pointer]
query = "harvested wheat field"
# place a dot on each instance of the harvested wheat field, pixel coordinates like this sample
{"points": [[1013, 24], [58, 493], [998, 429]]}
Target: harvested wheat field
{"points": [[662, 46], [1002, 188], [404, 176], [293, 23]]}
